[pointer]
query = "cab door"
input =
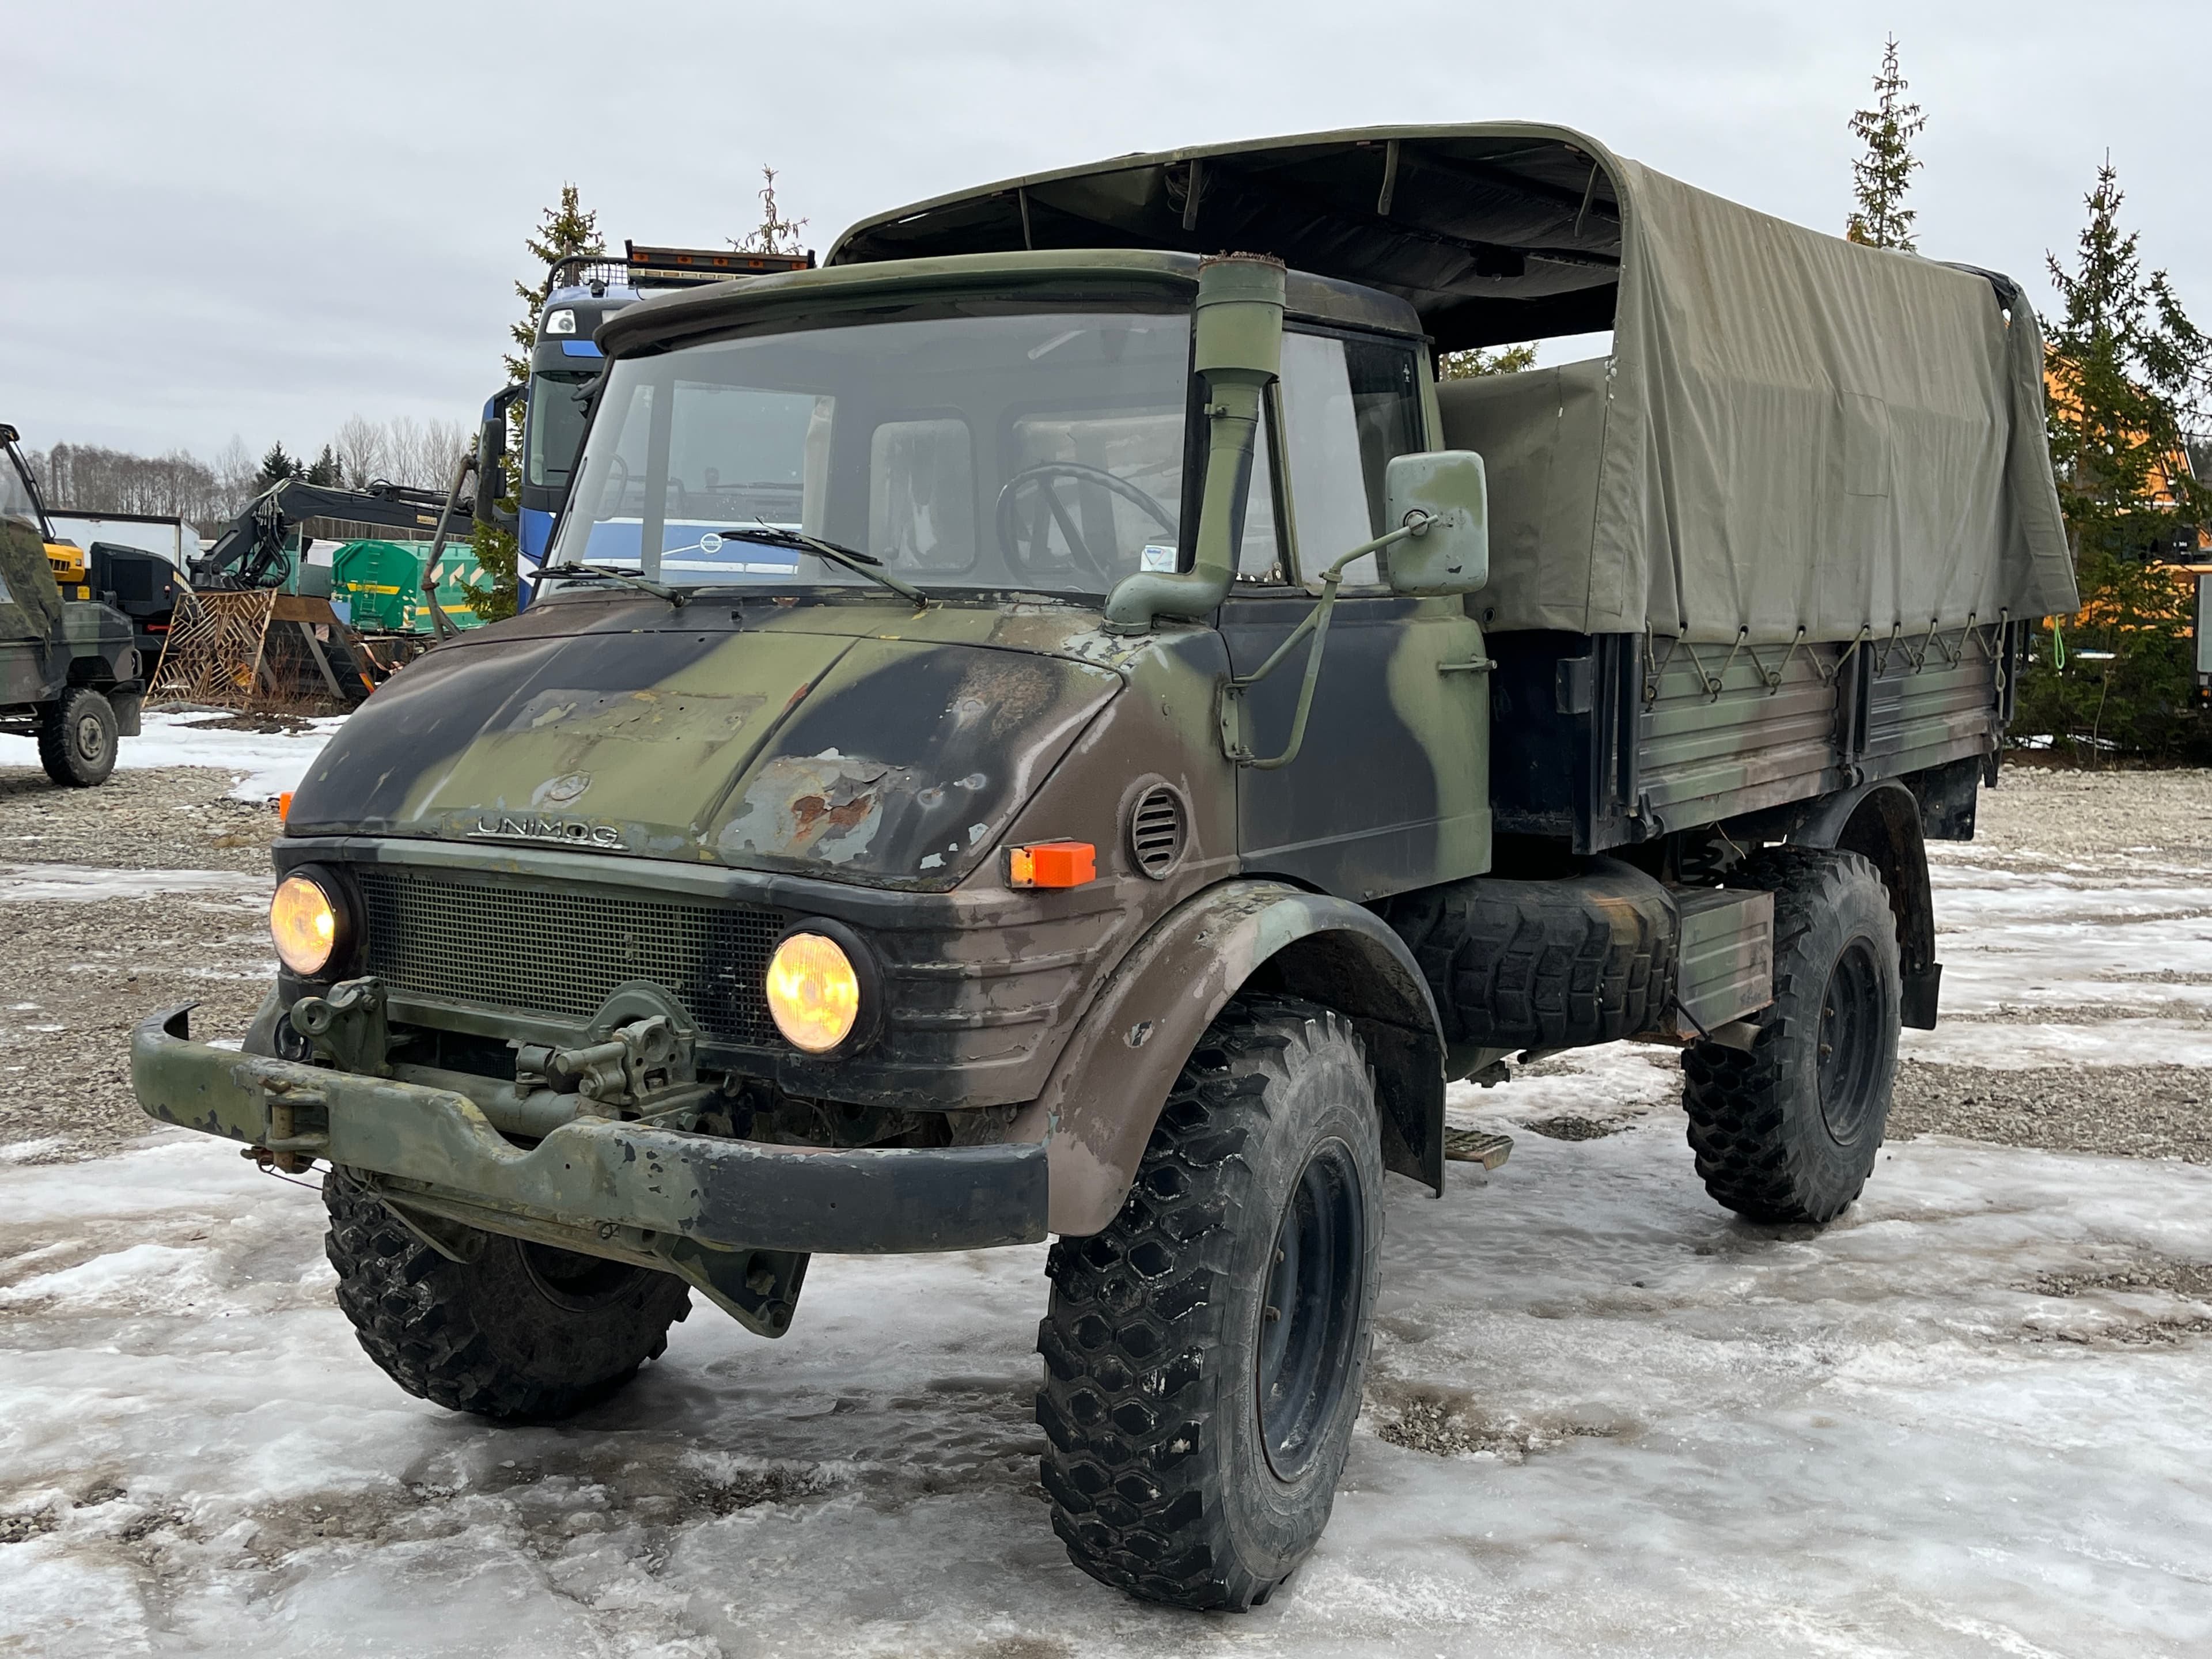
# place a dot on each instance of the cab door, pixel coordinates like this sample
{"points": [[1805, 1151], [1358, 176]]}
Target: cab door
{"points": [[1390, 789]]}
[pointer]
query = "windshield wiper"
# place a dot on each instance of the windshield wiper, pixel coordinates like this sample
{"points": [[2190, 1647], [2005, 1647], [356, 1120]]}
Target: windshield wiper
{"points": [[615, 574], [859, 564]]}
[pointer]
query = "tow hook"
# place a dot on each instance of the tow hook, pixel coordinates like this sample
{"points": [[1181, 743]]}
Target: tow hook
{"points": [[348, 1027]]}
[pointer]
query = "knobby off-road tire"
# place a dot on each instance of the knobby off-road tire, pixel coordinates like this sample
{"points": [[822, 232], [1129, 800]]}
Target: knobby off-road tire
{"points": [[1193, 1442], [79, 738], [1787, 1131], [524, 1332], [1544, 964]]}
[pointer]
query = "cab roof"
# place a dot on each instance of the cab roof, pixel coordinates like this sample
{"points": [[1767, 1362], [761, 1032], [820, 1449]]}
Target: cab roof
{"points": [[1492, 231], [1083, 277]]}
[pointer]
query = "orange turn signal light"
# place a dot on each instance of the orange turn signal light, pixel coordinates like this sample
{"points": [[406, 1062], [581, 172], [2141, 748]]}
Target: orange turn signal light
{"points": [[284, 807], [1052, 863]]}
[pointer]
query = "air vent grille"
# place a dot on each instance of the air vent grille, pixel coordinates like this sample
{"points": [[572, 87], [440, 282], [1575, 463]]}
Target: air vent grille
{"points": [[1157, 829]]}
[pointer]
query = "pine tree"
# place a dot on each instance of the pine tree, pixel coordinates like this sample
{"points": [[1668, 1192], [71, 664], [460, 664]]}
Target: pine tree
{"points": [[775, 233], [1882, 175], [326, 470], [567, 233], [275, 467], [2128, 374]]}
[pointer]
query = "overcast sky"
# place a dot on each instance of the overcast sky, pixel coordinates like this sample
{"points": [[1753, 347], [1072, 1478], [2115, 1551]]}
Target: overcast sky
{"points": [[242, 218]]}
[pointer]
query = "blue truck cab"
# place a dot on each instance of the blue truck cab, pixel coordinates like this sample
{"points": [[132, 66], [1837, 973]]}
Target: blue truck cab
{"points": [[564, 365]]}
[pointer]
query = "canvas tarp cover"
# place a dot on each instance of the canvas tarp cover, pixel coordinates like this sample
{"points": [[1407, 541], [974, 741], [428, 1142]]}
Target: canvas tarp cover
{"points": [[1792, 432]]}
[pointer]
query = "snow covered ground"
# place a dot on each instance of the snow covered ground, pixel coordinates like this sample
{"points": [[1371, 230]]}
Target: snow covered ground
{"points": [[1603, 1417], [269, 763]]}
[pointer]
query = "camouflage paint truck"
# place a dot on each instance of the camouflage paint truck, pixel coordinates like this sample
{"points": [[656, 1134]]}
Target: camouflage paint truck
{"points": [[1192, 736]]}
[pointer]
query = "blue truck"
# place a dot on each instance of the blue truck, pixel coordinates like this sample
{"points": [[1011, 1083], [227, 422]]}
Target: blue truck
{"points": [[565, 362]]}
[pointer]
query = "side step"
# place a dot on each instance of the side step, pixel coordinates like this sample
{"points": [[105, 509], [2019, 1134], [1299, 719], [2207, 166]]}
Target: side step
{"points": [[1477, 1146]]}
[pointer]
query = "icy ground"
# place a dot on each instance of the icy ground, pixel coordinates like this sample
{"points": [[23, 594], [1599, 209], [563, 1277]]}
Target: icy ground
{"points": [[1631, 1426], [1603, 1417], [268, 762]]}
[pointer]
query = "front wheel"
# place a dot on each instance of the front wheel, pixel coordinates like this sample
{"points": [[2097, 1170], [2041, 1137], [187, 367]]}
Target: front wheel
{"points": [[524, 1333], [79, 739], [1205, 1355]]}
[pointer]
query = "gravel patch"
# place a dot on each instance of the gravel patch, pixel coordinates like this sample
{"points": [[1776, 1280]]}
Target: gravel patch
{"points": [[77, 976], [2135, 1111], [169, 817], [2039, 813]]}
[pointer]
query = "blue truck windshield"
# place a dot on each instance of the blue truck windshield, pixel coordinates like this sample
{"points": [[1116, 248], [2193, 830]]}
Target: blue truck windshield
{"points": [[1033, 450]]}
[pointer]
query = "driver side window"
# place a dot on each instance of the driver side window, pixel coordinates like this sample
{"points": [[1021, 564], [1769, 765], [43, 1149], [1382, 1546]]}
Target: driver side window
{"points": [[1350, 406]]}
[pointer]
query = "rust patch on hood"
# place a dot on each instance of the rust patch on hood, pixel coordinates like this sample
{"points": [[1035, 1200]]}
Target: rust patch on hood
{"points": [[827, 806]]}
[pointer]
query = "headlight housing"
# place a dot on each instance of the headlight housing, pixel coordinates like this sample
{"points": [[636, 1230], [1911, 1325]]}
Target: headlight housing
{"points": [[308, 921], [823, 991]]}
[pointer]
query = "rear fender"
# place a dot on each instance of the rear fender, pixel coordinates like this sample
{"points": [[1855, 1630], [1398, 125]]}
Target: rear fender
{"points": [[1113, 1078], [1880, 821]]}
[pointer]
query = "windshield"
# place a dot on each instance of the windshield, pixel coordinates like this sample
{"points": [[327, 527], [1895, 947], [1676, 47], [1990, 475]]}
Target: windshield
{"points": [[1033, 450], [556, 423], [16, 501]]}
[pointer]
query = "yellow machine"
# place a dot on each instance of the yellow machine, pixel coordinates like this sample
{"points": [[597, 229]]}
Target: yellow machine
{"points": [[67, 560]]}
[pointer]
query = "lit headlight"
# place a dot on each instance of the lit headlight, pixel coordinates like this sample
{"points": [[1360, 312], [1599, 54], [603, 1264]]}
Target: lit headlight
{"points": [[813, 992], [303, 919]]}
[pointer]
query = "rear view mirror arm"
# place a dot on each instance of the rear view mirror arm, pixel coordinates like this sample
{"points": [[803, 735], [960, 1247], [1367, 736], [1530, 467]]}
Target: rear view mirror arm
{"points": [[1233, 745]]}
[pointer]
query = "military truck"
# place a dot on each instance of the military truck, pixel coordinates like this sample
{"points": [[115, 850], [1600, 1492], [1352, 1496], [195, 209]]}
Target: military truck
{"points": [[70, 674], [1192, 735]]}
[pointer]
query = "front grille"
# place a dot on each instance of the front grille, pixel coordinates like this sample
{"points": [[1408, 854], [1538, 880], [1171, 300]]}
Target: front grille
{"points": [[556, 951]]}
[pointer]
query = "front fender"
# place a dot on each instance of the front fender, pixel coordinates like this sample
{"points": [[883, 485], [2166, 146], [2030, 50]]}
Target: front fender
{"points": [[1111, 1081]]}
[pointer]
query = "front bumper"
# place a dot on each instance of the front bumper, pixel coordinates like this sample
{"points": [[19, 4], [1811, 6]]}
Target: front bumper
{"points": [[723, 1194]]}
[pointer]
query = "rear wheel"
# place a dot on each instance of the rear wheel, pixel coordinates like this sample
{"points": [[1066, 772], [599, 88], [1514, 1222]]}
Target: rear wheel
{"points": [[1204, 1354], [524, 1332], [78, 739], [1787, 1131]]}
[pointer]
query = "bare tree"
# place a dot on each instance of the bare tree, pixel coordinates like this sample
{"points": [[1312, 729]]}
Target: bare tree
{"points": [[775, 233]]}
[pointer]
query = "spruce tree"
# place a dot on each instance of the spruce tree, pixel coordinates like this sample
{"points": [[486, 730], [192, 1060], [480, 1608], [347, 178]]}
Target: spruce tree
{"points": [[567, 231], [2129, 372], [275, 467], [1883, 174], [2127, 375]]}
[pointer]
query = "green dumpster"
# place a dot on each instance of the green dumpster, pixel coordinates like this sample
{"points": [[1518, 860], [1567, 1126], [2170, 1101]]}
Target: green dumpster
{"points": [[383, 582]]}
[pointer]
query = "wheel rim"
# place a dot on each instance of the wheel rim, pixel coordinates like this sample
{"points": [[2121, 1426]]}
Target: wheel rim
{"points": [[91, 742], [1850, 1053], [578, 1283], [1311, 1317]]}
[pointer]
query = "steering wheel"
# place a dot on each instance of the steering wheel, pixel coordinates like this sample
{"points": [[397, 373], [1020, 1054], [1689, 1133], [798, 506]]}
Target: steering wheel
{"points": [[1051, 511]]}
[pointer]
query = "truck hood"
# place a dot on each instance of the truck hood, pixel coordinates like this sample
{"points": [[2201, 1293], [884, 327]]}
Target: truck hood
{"points": [[822, 744]]}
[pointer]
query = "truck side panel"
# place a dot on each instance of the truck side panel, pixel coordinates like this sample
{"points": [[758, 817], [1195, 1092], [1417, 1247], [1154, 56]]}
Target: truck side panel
{"points": [[1610, 739]]}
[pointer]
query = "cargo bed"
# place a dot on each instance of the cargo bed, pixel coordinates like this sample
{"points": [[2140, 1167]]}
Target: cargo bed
{"points": [[1610, 739]]}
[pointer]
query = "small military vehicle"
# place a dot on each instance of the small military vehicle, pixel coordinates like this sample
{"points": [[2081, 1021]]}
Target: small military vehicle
{"points": [[1161, 734], [70, 675]]}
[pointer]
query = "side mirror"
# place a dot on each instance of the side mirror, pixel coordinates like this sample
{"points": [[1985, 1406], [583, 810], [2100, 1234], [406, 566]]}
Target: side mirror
{"points": [[492, 484], [1449, 488]]}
